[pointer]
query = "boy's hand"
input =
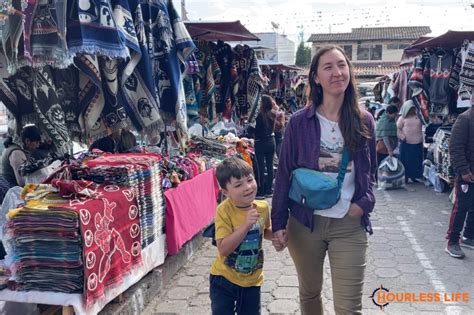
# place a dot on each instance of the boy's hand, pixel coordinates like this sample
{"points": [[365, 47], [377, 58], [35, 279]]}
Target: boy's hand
{"points": [[252, 217]]}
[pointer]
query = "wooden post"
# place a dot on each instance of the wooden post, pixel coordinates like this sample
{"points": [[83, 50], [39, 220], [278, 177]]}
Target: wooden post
{"points": [[68, 310]]}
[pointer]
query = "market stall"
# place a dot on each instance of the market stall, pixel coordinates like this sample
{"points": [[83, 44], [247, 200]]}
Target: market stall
{"points": [[440, 84]]}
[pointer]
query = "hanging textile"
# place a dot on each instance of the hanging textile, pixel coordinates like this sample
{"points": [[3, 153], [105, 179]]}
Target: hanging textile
{"points": [[137, 80], [47, 106], [92, 29], [91, 98], [247, 86], [419, 95], [11, 29], [224, 55], [169, 43], [464, 91], [44, 34]]}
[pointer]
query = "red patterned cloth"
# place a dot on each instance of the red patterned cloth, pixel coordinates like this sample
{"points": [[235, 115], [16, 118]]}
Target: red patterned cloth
{"points": [[110, 232]]}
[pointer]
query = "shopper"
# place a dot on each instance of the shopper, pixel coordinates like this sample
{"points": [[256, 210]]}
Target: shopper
{"points": [[409, 130], [240, 224], [386, 133], [314, 139], [461, 152], [14, 155], [265, 146]]}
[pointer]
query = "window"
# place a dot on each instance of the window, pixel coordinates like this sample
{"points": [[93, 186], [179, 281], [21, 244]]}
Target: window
{"points": [[369, 52], [260, 54], [396, 46], [348, 51]]}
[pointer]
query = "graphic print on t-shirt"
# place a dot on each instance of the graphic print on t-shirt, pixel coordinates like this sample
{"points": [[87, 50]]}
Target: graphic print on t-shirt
{"points": [[248, 256], [330, 157]]}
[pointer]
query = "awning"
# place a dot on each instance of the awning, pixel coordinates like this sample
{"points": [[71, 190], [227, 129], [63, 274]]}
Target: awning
{"points": [[450, 39], [214, 31], [278, 65]]}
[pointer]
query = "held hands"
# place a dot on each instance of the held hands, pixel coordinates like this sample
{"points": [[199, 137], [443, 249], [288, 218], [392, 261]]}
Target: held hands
{"points": [[355, 210], [252, 217], [280, 240], [468, 178]]}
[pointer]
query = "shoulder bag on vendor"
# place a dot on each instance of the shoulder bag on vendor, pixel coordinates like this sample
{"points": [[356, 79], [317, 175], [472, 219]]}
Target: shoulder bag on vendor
{"points": [[316, 190]]}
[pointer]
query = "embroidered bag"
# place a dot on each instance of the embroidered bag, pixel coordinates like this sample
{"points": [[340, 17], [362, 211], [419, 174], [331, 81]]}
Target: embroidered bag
{"points": [[316, 190]]}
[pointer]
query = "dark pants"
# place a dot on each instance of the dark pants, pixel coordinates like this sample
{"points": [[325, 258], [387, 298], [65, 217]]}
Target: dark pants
{"points": [[463, 206], [228, 298], [265, 151]]}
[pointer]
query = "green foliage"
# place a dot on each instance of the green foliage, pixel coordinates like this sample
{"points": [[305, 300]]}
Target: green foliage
{"points": [[303, 55]]}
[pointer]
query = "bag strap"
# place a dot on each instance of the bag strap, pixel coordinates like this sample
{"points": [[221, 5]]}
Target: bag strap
{"points": [[343, 166]]}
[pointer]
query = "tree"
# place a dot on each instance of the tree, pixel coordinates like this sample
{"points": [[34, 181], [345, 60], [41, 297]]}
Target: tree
{"points": [[303, 55]]}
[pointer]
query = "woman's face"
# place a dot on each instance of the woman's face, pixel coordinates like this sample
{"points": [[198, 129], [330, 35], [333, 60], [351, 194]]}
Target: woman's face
{"points": [[31, 145], [333, 73]]}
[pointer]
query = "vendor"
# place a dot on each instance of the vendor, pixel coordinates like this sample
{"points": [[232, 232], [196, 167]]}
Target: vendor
{"points": [[14, 155], [127, 142]]}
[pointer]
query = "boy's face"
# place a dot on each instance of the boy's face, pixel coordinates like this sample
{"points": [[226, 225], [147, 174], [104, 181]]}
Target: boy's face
{"points": [[242, 191]]}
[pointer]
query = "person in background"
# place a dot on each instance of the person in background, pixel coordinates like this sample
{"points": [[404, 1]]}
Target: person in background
{"points": [[265, 146], [279, 126], [409, 131], [127, 142], [315, 138], [386, 131], [461, 152], [105, 144], [14, 155], [395, 101], [241, 223]]}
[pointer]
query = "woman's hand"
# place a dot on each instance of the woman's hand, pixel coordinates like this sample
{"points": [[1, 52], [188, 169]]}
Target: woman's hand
{"points": [[355, 211], [280, 240]]}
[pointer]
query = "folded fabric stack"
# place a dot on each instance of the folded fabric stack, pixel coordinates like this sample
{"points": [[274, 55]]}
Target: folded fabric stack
{"points": [[5, 275], [46, 245], [211, 147], [140, 172]]}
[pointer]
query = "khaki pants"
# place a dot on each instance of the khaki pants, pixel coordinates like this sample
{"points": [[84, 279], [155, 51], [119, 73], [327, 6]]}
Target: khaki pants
{"points": [[345, 240]]}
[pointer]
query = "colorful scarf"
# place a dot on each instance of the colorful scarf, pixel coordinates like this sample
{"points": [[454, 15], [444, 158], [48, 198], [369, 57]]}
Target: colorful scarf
{"points": [[110, 233]]}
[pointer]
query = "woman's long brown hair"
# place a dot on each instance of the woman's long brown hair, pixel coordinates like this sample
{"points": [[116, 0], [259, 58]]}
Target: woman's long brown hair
{"points": [[353, 130]]}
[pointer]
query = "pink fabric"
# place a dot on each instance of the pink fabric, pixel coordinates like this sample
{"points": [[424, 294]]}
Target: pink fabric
{"points": [[189, 207]]}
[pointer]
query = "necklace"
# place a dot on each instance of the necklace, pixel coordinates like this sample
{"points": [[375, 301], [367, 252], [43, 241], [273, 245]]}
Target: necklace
{"points": [[332, 123]]}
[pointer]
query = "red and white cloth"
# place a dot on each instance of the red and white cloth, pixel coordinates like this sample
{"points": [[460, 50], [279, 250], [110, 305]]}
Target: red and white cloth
{"points": [[110, 230]]}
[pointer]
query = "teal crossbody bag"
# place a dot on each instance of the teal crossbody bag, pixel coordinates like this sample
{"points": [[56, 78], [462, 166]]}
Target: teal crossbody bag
{"points": [[314, 189]]}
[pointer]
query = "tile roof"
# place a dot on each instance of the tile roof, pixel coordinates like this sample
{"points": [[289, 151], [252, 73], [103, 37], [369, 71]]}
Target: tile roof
{"points": [[373, 33], [374, 70]]}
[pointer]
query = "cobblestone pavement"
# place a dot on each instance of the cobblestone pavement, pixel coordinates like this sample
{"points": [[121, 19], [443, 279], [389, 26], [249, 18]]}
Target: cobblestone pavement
{"points": [[406, 254]]}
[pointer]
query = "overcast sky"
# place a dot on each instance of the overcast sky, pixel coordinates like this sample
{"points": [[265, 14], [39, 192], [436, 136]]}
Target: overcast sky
{"points": [[330, 16]]}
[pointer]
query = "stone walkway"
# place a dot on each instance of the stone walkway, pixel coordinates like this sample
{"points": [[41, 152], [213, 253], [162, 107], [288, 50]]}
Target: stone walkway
{"points": [[406, 254]]}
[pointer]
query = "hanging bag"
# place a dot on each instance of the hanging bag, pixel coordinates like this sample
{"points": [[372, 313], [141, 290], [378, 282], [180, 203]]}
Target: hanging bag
{"points": [[314, 189]]}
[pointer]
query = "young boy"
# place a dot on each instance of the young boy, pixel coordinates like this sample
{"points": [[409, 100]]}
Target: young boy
{"points": [[241, 222]]}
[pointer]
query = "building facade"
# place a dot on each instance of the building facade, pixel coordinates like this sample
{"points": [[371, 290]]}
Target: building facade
{"points": [[373, 50], [275, 48]]}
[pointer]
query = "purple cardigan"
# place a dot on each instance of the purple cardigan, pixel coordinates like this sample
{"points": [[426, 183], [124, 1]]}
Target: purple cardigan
{"points": [[300, 148]]}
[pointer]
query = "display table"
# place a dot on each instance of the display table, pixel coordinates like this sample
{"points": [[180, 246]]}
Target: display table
{"points": [[189, 208], [152, 256]]}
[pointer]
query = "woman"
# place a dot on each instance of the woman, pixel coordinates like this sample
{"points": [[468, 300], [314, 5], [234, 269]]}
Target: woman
{"points": [[409, 130], [14, 155], [386, 132], [314, 138], [265, 147], [279, 127]]}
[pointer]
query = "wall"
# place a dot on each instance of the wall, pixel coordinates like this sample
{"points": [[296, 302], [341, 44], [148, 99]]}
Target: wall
{"points": [[281, 49]]}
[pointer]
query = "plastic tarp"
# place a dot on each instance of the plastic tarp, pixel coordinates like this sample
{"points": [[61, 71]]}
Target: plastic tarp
{"points": [[214, 31]]}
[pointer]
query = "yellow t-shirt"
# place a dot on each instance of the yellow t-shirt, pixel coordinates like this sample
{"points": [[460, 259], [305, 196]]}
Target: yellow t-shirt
{"points": [[244, 266]]}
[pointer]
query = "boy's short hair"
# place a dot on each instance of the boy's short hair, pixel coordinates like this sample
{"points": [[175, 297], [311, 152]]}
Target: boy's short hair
{"points": [[232, 167]]}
